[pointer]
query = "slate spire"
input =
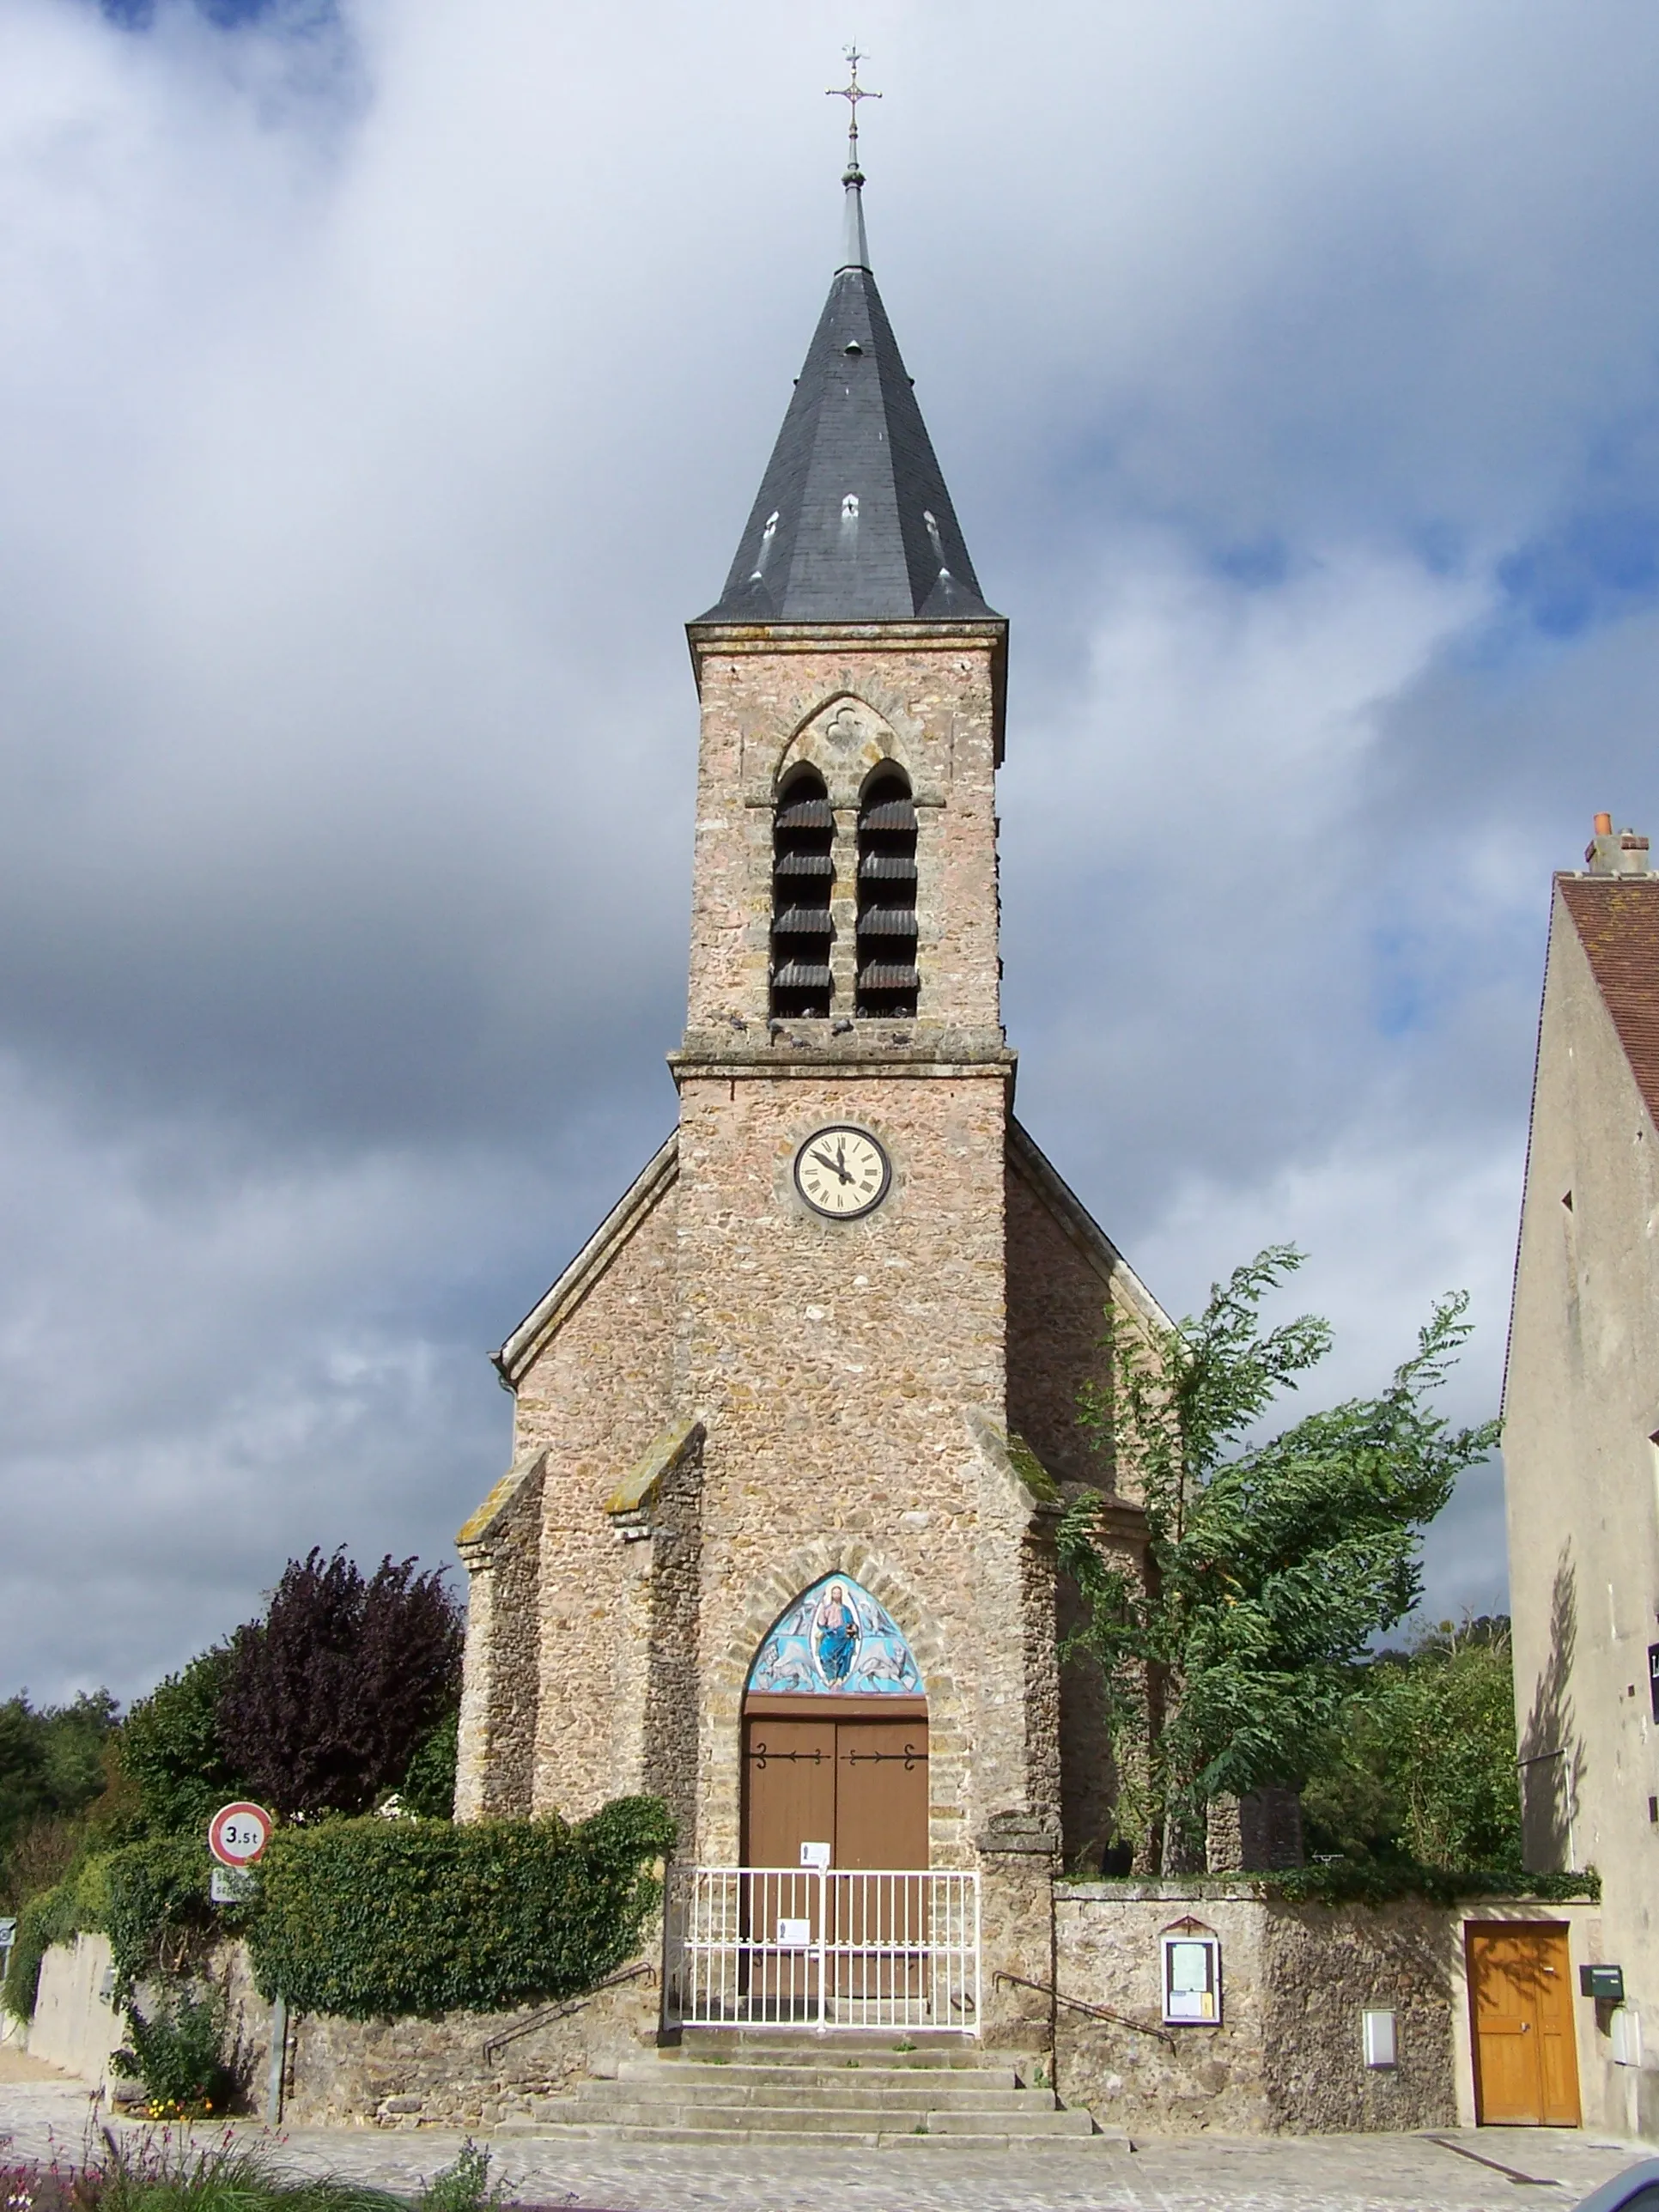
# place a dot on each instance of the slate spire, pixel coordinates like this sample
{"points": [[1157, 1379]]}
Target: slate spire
{"points": [[852, 522]]}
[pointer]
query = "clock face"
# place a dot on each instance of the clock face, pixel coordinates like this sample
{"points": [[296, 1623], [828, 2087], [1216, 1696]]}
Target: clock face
{"points": [[842, 1172]]}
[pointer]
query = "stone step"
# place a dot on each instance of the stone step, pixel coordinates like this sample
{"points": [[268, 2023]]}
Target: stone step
{"points": [[888, 2097], [726, 2120], [1054, 2122], [687, 2078], [829, 2055], [839, 2140], [898, 2108], [761, 2046]]}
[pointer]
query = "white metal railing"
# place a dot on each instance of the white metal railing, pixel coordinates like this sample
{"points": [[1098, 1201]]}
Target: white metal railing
{"points": [[786, 1946]]}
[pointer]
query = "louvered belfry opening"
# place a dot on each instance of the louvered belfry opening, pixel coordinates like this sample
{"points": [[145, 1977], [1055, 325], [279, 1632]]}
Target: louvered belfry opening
{"points": [[887, 981], [803, 878]]}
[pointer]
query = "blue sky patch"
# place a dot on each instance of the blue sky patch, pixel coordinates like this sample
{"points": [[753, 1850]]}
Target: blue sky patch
{"points": [[226, 15], [1592, 569]]}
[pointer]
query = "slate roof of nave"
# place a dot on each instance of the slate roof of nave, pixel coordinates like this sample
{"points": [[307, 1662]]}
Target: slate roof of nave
{"points": [[649, 1189], [1617, 921]]}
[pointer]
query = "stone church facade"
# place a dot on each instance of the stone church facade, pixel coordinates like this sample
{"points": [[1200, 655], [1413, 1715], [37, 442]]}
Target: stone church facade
{"points": [[794, 1430]]}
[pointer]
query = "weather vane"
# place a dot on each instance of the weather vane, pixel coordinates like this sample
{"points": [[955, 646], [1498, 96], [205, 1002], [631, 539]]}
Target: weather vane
{"points": [[852, 92]]}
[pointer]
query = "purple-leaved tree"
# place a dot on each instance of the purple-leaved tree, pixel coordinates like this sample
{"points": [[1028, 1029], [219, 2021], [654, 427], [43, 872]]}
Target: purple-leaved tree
{"points": [[328, 1696]]}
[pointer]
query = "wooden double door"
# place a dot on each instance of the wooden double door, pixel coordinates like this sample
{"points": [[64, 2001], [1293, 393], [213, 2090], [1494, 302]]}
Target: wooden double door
{"points": [[851, 1773], [1526, 2056]]}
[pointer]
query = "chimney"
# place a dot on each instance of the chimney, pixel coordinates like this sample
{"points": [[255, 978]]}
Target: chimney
{"points": [[1615, 853]]}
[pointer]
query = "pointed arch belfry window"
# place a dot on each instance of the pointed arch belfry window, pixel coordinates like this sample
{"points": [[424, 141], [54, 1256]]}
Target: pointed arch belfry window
{"points": [[887, 978], [803, 878]]}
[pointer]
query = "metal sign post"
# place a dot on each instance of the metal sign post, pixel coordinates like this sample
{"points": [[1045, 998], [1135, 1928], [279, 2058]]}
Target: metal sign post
{"points": [[237, 1836]]}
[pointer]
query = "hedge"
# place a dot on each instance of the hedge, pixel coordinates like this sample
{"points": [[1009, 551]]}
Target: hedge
{"points": [[158, 1914], [373, 1917], [1357, 1882], [50, 1916]]}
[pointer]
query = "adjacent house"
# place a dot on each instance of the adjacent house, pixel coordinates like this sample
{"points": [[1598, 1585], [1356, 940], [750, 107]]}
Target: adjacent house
{"points": [[1581, 1442]]}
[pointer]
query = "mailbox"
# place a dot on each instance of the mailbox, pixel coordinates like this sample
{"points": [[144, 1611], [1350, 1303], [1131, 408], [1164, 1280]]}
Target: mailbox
{"points": [[1605, 1982]]}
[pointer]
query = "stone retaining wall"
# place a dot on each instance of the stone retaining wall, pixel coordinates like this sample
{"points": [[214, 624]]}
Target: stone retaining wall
{"points": [[1286, 2056], [461, 2070], [74, 2025]]}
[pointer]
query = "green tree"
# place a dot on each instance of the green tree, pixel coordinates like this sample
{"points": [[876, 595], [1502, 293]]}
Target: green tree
{"points": [[1269, 1565], [428, 1786], [1420, 1767], [170, 1749], [50, 1770]]}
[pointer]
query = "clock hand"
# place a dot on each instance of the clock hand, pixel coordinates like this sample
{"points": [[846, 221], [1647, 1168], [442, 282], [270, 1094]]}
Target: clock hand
{"points": [[834, 1166]]}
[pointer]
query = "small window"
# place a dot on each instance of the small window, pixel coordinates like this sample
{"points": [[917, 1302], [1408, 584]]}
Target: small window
{"points": [[803, 878], [887, 978]]}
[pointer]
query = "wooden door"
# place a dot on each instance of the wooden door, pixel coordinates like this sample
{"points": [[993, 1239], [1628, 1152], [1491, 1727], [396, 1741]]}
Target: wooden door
{"points": [[789, 1799], [858, 1785], [881, 1825], [789, 1789], [1526, 2059], [881, 1794]]}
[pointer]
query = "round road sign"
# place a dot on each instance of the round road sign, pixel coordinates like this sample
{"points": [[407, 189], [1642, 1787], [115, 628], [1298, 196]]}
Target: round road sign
{"points": [[237, 1833]]}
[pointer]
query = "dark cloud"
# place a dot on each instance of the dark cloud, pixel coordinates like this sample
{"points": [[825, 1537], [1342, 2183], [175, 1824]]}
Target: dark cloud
{"points": [[382, 390]]}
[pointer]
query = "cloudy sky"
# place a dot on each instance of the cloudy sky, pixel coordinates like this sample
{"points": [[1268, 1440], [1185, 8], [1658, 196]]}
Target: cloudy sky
{"points": [[385, 384]]}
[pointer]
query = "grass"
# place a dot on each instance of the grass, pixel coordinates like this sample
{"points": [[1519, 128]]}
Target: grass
{"points": [[166, 2172]]}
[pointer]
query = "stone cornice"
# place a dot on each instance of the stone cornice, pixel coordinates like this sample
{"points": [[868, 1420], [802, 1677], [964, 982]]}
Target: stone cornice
{"points": [[801, 1067], [742, 1055], [704, 638]]}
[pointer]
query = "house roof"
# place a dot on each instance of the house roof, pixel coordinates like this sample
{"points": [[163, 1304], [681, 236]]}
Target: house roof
{"points": [[852, 522], [1617, 920]]}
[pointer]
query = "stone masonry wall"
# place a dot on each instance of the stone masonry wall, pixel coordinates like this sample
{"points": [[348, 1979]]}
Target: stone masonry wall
{"points": [[496, 1763], [830, 1361], [920, 697], [669, 1765], [1057, 1302], [460, 2069], [593, 1401], [1287, 2056], [1061, 1288]]}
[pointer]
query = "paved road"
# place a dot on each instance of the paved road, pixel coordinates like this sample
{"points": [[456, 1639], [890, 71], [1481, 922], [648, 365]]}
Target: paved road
{"points": [[1321, 2173]]}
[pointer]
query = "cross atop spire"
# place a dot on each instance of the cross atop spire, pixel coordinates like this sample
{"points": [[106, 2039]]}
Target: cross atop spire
{"points": [[855, 249], [852, 92]]}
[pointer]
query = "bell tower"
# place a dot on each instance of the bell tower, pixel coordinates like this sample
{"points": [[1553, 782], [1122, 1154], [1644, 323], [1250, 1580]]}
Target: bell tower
{"points": [[851, 678], [844, 1079]]}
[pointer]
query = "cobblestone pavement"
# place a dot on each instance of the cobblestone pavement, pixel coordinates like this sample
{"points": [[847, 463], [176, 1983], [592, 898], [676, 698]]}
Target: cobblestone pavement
{"points": [[1169, 2173]]}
